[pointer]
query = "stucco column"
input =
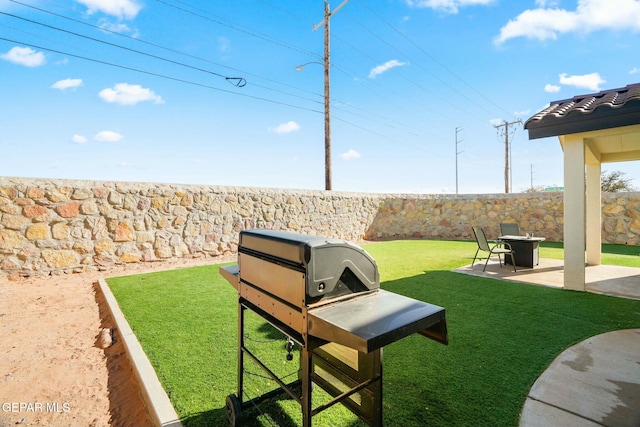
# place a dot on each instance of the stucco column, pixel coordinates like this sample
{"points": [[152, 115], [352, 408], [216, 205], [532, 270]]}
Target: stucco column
{"points": [[574, 213], [594, 213]]}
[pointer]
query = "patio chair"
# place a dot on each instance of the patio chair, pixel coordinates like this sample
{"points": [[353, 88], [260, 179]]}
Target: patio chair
{"points": [[498, 248], [509, 229]]}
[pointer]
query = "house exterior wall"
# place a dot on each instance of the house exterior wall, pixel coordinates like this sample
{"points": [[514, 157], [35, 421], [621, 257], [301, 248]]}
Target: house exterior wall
{"points": [[54, 226]]}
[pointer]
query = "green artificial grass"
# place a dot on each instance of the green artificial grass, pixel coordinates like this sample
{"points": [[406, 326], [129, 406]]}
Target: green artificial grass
{"points": [[622, 255], [502, 335]]}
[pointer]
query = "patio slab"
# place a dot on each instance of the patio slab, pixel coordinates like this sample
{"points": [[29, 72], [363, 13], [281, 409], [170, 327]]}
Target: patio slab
{"points": [[602, 279]]}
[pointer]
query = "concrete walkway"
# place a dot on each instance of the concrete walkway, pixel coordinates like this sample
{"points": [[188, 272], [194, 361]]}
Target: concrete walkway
{"points": [[596, 382]]}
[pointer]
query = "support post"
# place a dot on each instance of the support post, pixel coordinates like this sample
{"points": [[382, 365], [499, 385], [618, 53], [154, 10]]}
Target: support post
{"points": [[594, 214], [574, 213]]}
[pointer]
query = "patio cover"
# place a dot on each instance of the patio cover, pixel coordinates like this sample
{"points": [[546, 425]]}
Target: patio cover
{"points": [[593, 129]]}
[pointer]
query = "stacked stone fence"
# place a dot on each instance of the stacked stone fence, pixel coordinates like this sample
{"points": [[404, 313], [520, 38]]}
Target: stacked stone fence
{"points": [[58, 226]]}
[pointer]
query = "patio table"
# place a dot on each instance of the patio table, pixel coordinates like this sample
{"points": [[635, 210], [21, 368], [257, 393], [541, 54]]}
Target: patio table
{"points": [[525, 250]]}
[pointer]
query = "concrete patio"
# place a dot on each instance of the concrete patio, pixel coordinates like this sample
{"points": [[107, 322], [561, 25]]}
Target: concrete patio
{"points": [[601, 279]]}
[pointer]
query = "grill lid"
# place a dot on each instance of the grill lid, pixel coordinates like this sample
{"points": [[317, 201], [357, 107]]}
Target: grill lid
{"points": [[331, 266]]}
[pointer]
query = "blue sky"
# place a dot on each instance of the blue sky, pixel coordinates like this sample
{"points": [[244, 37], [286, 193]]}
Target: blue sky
{"points": [[139, 90]]}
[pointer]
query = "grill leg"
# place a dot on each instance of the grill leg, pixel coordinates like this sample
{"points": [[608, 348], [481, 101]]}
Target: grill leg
{"points": [[377, 389], [241, 310], [306, 367]]}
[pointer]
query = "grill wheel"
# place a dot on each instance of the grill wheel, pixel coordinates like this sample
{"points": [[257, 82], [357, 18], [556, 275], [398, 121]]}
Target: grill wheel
{"points": [[233, 410]]}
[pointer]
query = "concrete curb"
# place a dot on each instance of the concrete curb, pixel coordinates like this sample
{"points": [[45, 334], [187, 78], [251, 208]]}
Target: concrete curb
{"points": [[154, 396]]}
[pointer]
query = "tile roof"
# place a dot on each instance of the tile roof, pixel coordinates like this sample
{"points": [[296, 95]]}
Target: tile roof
{"points": [[603, 110]]}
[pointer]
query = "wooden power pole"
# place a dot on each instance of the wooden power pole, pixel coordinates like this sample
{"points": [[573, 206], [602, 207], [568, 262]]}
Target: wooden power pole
{"points": [[506, 125], [327, 97]]}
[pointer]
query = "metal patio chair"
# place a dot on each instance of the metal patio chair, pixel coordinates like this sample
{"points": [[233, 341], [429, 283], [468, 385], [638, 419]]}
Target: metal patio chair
{"points": [[509, 229], [498, 248]]}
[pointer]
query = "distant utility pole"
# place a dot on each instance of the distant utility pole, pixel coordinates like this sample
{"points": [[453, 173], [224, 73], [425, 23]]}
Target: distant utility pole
{"points": [[531, 176], [506, 125], [457, 152]]}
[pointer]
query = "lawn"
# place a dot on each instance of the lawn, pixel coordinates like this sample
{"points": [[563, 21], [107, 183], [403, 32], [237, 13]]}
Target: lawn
{"points": [[502, 335]]}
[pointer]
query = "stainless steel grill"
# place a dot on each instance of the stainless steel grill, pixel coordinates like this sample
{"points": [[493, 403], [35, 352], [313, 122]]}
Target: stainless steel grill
{"points": [[325, 295]]}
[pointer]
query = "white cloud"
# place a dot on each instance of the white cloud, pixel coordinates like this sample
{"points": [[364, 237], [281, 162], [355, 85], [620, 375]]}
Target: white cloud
{"points": [[121, 9], [546, 23], [108, 136], [379, 69], [588, 81], [126, 94], [522, 113], [67, 84], [496, 122], [128, 165], [287, 127], [117, 27], [24, 56], [224, 44], [448, 6], [547, 3], [350, 154], [552, 88], [634, 70], [79, 139]]}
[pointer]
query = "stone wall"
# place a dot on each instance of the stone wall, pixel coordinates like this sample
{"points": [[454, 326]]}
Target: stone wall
{"points": [[450, 217], [55, 226]]}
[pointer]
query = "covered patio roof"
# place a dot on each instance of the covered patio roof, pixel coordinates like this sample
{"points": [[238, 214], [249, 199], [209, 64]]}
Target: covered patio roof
{"points": [[593, 129], [613, 108]]}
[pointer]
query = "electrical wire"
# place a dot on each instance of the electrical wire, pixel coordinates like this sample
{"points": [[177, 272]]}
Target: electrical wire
{"points": [[236, 81], [433, 58], [157, 75], [215, 19], [416, 84], [201, 14], [239, 82]]}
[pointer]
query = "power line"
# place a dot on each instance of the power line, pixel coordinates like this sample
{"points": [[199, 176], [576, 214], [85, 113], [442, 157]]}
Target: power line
{"points": [[236, 27], [236, 81], [139, 40], [435, 60], [156, 74], [425, 70], [217, 20], [390, 122]]}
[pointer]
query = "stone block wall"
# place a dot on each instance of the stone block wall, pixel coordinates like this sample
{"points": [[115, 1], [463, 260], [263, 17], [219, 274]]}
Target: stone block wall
{"points": [[55, 226], [52, 226], [450, 217], [621, 218]]}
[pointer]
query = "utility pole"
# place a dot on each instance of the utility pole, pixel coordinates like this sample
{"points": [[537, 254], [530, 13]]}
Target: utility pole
{"points": [[457, 152], [531, 176], [327, 98], [506, 125]]}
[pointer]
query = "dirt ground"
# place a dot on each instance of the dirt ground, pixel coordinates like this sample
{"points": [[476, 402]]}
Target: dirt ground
{"points": [[53, 369]]}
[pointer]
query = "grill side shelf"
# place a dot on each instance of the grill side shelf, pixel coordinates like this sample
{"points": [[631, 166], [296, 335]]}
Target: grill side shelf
{"points": [[231, 273], [369, 322]]}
